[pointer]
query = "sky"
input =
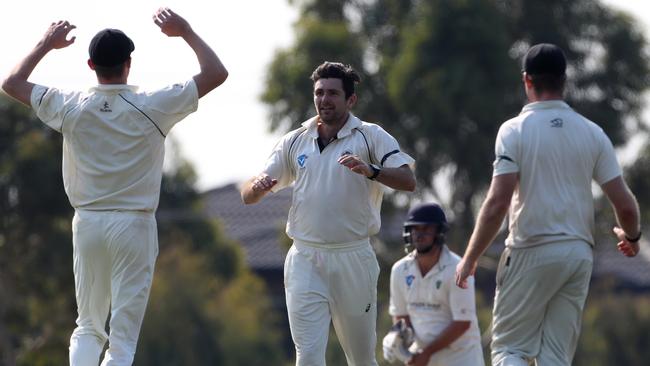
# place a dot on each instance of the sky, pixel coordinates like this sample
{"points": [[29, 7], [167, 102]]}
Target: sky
{"points": [[227, 139]]}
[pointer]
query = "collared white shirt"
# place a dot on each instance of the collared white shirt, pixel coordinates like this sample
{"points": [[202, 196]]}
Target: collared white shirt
{"points": [[433, 301], [332, 204], [557, 153], [113, 140]]}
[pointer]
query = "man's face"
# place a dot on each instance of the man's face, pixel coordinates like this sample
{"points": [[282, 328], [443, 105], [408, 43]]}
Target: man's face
{"points": [[329, 100], [422, 237]]}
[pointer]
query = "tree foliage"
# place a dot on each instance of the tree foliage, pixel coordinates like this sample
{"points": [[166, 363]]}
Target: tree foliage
{"points": [[616, 331], [35, 251], [442, 75], [206, 307]]}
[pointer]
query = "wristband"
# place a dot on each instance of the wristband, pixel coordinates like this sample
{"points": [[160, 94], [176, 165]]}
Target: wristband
{"points": [[375, 171], [633, 240]]}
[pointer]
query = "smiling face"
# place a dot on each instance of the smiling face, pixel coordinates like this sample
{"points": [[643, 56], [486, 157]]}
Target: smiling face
{"points": [[330, 101]]}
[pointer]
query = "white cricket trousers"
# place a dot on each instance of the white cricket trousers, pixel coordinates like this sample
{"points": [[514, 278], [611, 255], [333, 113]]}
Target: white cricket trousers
{"points": [[541, 292], [332, 284], [114, 256]]}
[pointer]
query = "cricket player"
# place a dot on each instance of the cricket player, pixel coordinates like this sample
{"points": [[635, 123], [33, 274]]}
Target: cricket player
{"points": [[546, 159], [339, 167], [424, 293], [113, 150]]}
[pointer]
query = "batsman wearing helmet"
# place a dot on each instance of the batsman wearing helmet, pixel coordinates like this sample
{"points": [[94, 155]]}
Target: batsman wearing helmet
{"points": [[424, 295]]}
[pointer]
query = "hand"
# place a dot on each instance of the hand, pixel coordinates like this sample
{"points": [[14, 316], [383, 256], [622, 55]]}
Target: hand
{"points": [[263, 183], [419, 359], [464, 269], [56, 36], [170, 23], [355, 164], [624, 246]]}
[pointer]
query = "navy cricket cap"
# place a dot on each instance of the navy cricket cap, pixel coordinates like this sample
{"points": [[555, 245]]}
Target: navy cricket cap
{"points": [[545, 58], [110, 47]]}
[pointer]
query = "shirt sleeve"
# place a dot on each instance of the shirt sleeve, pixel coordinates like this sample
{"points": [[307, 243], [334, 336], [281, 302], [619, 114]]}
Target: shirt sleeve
{"points": [[386, 151], [462, 301], [607, 166], [397, 305], [169, 105], [51, 104], [505, 150], [277, 165]]}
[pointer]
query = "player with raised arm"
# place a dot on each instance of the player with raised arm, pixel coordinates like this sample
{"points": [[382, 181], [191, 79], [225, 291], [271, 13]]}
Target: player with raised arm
{"points": [[113, 150]]}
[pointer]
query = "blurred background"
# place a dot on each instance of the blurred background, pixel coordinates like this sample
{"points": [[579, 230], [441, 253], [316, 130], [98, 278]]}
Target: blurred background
{"points": [[440, 75]]}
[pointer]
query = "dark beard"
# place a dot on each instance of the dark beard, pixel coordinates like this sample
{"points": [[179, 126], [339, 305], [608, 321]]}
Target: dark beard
{"points": [[425, 250]]}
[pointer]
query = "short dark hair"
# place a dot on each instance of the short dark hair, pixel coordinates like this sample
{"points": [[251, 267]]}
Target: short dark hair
{"points": [[548, 82], [109, 72], [337, 70]]}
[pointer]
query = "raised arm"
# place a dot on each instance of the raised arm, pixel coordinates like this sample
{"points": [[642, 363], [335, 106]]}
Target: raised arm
{"points": [[212, 73], [16, 84]]}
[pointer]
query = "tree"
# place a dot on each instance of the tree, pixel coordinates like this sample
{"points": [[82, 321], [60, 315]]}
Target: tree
{"points": [[35, 251], [203, 297], [616, 331], [442, 75]]}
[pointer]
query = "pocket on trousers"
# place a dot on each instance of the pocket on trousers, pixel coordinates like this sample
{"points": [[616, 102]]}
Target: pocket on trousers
{"points": [[371, 267], [504, 265]]}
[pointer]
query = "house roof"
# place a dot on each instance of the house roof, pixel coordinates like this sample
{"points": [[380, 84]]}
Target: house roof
{"points": [[608, 262], [259, 227], [260, 230]]}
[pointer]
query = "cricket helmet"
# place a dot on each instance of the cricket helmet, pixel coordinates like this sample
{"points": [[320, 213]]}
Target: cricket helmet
{"points": [[426, 214]]}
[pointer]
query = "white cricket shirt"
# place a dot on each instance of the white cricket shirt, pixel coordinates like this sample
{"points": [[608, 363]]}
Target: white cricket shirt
{"points": [[332, 204], [557, 153], [434, 301], [114, 140]]}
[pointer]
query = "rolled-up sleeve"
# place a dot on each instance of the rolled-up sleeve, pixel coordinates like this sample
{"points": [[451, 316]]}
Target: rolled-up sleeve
{"points": [[505, 150], [386, 150], [49, 104], [398, 304], [607, 166], [169, 105]]}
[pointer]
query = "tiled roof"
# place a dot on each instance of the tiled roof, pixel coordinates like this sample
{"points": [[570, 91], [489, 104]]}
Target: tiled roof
{"points": [[257, 227], [635, 272], [260, 227]]}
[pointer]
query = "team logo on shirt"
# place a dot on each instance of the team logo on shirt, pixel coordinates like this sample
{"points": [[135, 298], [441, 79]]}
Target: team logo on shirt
{"points": [[302, 160], [346, 152], [409, 280], [438, 283], [105, 108], [557, 122]]}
